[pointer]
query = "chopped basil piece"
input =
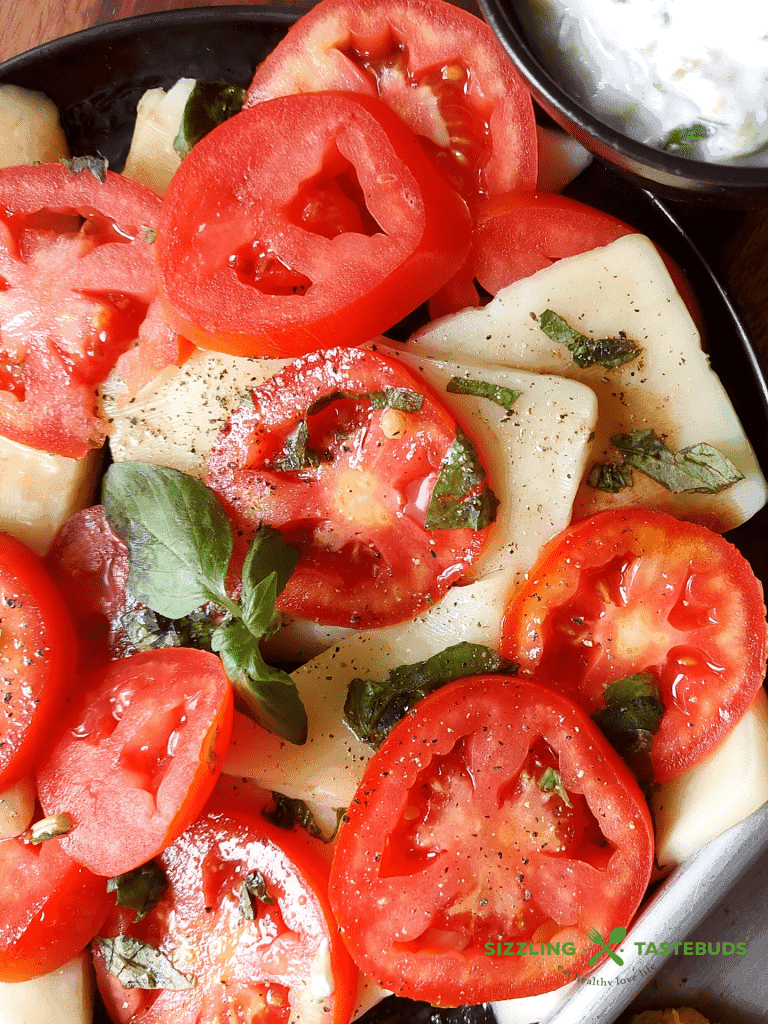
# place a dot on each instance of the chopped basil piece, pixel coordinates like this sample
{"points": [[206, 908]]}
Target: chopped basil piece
{"points": [[140, 889], [373, 708], [208, 105], [136, 964], [699, 467], [551, 781], [685, 140], [608, 352], [630, 719], [456, 502], [401, 399], [286, 812], [609, 476], [97, 165], [179, 544], [296, 455], [254, 885], [505, 397]]}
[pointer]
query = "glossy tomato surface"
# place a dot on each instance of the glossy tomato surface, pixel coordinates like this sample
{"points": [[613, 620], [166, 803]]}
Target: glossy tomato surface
{"points": [[349, 484], [440, 68], [139, 756], [494, 812], [77, 283], [306, 221], [246, 916], [37, 652], [631, 591]]}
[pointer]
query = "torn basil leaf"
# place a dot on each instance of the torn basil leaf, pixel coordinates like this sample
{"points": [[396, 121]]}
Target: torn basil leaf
{"points": [[699, 467], [136, 964], [630, 719], [505, 397], [456, 503], [401, 399], [140, 889], [609, 476], [608, 352], [296, 454], [551, 781], [209, 104], [253, 887], [374, 707], [286, 812], [97, 165]]}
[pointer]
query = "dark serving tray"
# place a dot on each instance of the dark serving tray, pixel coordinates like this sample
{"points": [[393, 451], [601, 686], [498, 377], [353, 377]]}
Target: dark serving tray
{"points": [[96, 78]]}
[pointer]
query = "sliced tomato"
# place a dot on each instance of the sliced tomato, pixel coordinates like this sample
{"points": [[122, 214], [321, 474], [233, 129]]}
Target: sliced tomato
{"points": [[494, 813], [305, 221], [245, 915], [50, 908], [440, 68], [139, 756], [37, 652], [76, 282], [630, 591], [356, 499]]}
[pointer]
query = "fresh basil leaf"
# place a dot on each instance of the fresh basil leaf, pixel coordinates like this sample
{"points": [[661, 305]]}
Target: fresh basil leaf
{"points": [[267, 695], [97, 165], [178, 536], [505, 397], [136, 964], [699, 468], [685, 140], [140, 889], [630, 719], [608, 352], [456, 502], [609, 476], [208, 105], [373, 707], [286, 812], [268, 566], [551, 781], [254, 886]]}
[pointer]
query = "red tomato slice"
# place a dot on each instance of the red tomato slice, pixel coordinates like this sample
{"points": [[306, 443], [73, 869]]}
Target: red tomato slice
{"points": [[307, 220], [453, 845], [441, 69], [630, 591], [288, 961], [139, 757], [77, 280], [37, 652], [50, 908], [358, 514]]}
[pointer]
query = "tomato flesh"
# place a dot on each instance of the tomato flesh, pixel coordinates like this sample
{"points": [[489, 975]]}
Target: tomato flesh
{"points": [[358, 514], [287, 960], [453, 844], [630, 591]]}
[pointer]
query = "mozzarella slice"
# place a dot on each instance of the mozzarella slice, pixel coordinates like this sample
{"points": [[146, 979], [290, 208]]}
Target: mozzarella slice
{"points": [[39, 491], [64, 996], [17, 808], [720, 792], [152, 160], [30, 129], [670, 388]]}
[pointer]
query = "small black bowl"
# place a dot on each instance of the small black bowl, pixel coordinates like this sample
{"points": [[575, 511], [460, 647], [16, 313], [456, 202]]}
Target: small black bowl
{"points": [[738, 186]]}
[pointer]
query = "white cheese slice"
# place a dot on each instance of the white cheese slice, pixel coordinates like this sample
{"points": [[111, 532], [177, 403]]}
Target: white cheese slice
{"points": [[39, 491], [30, 129], [64, 996], [670, 388], [718, 793], [17, 807], [152, 160]]}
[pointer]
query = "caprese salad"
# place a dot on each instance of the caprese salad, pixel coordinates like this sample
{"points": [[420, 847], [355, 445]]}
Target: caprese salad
{"points": [[373, 658]]}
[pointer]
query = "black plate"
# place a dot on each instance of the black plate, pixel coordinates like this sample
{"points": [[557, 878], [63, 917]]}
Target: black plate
{"points": [[97, 76]]}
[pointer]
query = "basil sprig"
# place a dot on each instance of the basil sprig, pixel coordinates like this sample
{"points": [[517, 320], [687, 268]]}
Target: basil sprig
{"points": [[208, 105], [457, 500], [608, 352], [374, 707], [179, 545]]}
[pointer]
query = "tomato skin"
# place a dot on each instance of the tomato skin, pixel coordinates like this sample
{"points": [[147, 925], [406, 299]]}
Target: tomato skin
{"points": [[37, 652], [440, 68], [440, 854], [75, 298], [358, 517], [628, 591], [50, 908], [274, 283], [139, 756], [236, 962]]}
